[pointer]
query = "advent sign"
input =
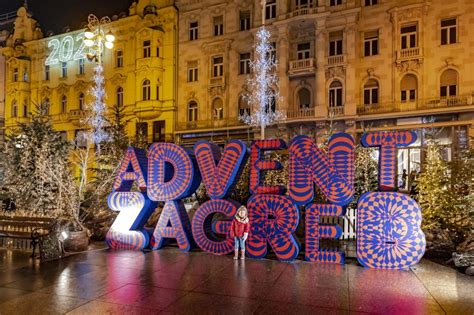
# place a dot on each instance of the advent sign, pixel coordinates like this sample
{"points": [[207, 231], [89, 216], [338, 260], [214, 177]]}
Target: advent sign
{"points": [[388, 222]]}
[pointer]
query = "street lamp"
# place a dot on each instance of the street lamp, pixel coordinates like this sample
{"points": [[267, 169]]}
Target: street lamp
{"points": [[96, 38]]}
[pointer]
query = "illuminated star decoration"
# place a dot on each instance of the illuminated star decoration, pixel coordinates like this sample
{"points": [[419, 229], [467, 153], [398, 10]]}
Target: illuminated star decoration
{"points": [[263, 86]]}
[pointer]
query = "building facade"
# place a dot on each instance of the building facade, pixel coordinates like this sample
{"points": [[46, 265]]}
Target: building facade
{"points": [[139, 72], [356, 64]]}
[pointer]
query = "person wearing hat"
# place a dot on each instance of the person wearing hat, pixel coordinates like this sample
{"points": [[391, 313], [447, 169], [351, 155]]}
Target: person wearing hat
{"points": [[239, 230]]}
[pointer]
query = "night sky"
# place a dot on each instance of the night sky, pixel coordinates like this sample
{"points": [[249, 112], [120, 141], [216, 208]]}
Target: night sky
{"points": [[56, 14]]}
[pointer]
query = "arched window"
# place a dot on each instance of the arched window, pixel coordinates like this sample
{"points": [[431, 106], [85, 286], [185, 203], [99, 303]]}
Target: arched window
{"points": [[449, 83], [63, 104], [192, 111], [25, 108], [119, 96], [408, 88], [146, 90], [218, 108], [371, 92], [46, 105], [304, 98], [81, 101], [335, 94], [244, 107], [14, 109]]}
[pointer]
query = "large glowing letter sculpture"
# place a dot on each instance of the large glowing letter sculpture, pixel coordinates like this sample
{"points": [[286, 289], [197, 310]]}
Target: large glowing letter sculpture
{"points": [[172, 175], [257, 165], [388, 223], [388, 231], [334, 175], [388, 142], [127, 230], [133, 168], [218, 179], [273, 220]]}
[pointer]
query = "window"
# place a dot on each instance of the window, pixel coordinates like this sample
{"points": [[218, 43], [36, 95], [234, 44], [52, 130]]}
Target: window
{"points": [[333, 3], [25, 75], [408, 88], [245, 20], [142, 132], [157, 92], [270, 9], [82, 68], [15, 75], [335, 94], [449, 83], [64, 70], [368, 3], [304, 98], [193, 30], [192, 111], [146, 90], [448, 31], [146, 49], [217, 66], [63, 104], [335, 44], [119, 58], [371, 43], [193, 74], [301, 4], [244, 63], [80, 138], [46, 106], [218, 108], [158, 51], [244, 108], [371, 92], [304, 51], [159, 132], [218, 25], [271, 105], [46, 72], [14, 109], [25, 109], [119, 96], [273, 51], [81, 101], [409, 36]]}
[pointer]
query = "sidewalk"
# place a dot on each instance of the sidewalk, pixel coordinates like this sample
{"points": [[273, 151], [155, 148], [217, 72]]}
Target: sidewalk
{"points": [[168, 281]]}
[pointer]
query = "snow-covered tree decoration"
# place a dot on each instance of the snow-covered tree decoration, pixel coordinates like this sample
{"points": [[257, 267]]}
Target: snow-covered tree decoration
{"points": [[263, 84]]}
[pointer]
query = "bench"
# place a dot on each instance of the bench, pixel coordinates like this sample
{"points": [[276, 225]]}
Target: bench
{"points": [[34, 229]]}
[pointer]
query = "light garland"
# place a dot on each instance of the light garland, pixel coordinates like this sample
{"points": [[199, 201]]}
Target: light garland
{"points": [[263, 86], [97, 120]]}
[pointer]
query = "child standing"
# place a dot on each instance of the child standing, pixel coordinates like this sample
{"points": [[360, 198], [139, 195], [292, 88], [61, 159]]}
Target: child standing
{"points": [[239, 230]]}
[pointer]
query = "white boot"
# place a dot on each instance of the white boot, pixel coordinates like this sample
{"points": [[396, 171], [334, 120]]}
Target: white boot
{"points": [[243, 254], [236, 255]]}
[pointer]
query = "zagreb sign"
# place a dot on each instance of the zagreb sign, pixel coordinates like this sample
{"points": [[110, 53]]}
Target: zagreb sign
{"points": [[388, 222]]}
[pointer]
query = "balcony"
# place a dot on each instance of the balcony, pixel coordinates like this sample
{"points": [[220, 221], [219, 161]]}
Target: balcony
{"points": [[301, 113], [208, 124], [77, 116], [426, 104], [409, 53], [336, 111], [335, 60], [301, 66], [216, 81], [303, 10]]}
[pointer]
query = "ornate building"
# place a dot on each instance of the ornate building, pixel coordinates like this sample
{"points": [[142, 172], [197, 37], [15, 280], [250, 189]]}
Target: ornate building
{"points": [[139, 71], [360, 64]]}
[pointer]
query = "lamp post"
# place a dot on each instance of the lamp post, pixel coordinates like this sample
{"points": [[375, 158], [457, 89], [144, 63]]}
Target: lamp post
{"points": [[96, 38]]}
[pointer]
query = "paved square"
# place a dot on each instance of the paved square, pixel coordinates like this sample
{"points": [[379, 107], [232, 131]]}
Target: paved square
{"points": [[172, 282]]}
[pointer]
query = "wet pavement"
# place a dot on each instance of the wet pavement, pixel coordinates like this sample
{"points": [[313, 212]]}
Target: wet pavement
{"points": [[171, 282]]}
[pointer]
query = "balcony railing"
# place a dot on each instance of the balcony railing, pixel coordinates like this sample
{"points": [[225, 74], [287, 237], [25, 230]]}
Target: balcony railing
{"points": [[409, 53], [217, 81], [302, 11], [336, 111], [335, 60], [208, 124], [431, 103], [302, 65], [77, 114], [301, 113]]}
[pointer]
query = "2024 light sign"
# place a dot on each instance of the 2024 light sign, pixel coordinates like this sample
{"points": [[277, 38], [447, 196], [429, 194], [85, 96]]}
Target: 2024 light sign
{"points": [[66, 49], [388, 223]]}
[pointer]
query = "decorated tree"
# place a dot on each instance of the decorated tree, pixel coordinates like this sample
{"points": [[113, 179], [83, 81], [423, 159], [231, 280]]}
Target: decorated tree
{"points": [[366, 173], [37, 173]]}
